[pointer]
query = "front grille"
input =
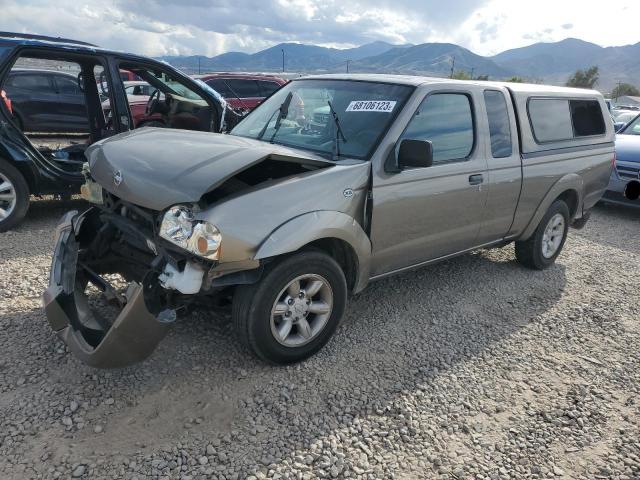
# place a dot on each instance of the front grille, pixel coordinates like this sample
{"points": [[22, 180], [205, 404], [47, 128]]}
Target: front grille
{"points": [[629, 171]]}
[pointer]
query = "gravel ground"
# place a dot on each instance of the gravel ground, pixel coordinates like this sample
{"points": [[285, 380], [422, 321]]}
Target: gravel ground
{"points": [[473, 368]]}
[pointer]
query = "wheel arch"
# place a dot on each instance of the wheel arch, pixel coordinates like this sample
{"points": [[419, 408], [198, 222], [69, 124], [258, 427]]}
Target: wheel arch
{"points": [[570, 189], [335, 233]]}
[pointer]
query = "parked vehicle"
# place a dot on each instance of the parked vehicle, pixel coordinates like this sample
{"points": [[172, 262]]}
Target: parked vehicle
{"points": [[624, 184], [621, 107], [243, 90], [57, 102], [45, 100], [288, 221], [623, 119]]}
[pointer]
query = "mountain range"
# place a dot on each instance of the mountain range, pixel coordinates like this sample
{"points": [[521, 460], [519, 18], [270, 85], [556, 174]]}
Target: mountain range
{"points": [[546, 62]]}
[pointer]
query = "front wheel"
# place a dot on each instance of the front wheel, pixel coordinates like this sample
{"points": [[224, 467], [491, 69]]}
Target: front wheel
{"points": [[294, 310], [541, 250]]}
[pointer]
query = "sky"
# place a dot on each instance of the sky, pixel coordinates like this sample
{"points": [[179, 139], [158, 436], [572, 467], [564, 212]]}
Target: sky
{"points": [[211, 27]]}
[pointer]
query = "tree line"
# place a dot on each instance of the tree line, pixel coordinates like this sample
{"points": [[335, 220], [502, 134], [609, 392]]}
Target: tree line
{"points": [[589, 78]]}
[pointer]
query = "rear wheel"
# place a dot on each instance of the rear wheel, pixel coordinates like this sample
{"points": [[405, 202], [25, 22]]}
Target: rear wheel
{"points": [[14, 196], [293, 311], [543, 247]]}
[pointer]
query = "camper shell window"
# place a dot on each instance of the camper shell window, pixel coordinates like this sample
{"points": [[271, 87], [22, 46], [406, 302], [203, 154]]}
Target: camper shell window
{"points": [[561, 119]]}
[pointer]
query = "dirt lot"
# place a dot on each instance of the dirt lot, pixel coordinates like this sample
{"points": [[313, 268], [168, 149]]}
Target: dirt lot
{"points": [[474, 368]]}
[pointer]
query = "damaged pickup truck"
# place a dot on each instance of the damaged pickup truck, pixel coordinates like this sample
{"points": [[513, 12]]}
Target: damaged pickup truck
{"points": [[285, 218]]}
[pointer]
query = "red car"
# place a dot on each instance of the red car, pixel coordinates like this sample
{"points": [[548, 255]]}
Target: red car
{"points": [[244, 91]]}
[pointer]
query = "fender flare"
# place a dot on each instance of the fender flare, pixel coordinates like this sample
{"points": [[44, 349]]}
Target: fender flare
{"points": [[571, 181], [309, 227]]}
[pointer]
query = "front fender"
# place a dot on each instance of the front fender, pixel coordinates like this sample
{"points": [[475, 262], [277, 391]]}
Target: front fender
{"points": [[307, 228], [571, 181]]}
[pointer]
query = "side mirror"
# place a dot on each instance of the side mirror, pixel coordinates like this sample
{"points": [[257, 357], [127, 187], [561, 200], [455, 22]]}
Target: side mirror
{"points": [[415, 154]]}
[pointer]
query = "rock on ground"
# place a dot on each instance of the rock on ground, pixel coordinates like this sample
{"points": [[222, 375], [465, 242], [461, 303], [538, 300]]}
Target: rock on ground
{"points": [[473, 368]]}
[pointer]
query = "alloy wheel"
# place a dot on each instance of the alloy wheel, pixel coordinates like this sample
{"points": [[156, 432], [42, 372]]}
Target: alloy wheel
{"points": [[301, 310], [8, 197]]}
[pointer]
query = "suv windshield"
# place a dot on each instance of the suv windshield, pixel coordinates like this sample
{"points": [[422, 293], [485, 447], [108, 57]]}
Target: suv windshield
{"points": [[364, 111], [633, 128]]}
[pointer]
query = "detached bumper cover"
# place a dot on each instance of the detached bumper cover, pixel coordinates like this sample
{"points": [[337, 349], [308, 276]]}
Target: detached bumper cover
{"points": [[131, 338]]}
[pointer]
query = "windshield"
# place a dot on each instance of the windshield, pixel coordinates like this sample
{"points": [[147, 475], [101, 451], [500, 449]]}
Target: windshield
{"points": [[363, 110], [633, 128]]}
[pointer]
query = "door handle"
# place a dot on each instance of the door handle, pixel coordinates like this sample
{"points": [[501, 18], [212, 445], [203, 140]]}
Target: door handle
{"points": [[476, 179]]}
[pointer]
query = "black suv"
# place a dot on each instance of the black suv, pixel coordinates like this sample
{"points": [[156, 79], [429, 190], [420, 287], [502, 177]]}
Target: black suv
{"points": [[46, 100], [67, 95]]}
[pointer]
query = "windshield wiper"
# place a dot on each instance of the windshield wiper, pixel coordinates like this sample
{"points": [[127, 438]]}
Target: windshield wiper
{"points": [[339, 132], [283, 110]]}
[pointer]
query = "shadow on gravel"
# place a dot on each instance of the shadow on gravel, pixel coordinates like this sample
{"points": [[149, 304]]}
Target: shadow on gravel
{"points": [[35, 233], [399, 334], [622, 220]]}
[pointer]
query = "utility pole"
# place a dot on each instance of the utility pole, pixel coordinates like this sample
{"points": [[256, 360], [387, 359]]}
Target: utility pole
{"points": [[199, 64], [282, 60], [453, 66], [618, 90], [472, 69], [348, 65]]}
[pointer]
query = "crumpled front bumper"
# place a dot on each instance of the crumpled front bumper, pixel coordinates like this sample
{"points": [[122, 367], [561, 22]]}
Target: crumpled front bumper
{"points": [[132, 336]]}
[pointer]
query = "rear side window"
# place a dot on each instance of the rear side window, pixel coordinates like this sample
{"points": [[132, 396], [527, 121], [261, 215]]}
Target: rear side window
{"points": [[33, 82], [446, 120], [558, 119], [587, 118], [67, 85], [499, 125], [220, 86], [267, 88], [243, 88]]}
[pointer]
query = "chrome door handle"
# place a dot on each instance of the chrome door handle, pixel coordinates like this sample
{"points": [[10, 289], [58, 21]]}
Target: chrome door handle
{"points": [[476, 179]]}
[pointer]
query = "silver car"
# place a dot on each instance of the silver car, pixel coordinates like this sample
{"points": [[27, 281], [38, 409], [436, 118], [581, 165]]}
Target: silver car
{"points": [[287, 221]]}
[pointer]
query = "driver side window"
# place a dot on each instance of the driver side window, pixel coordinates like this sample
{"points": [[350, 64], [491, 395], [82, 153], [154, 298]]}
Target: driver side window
{"points": [[446, 120]]}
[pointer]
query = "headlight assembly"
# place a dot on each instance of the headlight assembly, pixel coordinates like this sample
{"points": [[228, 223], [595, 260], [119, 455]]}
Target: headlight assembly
{"points": [[198, 237]]}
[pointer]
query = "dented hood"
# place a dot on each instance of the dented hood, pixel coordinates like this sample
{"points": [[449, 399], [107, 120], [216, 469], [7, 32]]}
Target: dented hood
{"points": [[157, 167]]}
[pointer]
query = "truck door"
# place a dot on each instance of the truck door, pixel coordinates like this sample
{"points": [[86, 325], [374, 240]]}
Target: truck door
{"points": [[426, 213], [504, 172]]}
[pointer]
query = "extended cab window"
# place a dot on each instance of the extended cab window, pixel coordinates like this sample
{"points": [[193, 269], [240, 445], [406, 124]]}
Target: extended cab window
{"points": [[446, 120], [499, 125], [558, 119]]}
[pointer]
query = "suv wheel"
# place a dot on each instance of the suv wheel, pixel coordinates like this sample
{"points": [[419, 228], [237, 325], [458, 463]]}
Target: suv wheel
{"points": [[541, 250], [293, 311], [14, 196]]}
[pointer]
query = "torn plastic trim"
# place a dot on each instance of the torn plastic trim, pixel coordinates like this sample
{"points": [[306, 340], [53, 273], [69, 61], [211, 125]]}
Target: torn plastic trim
{"points": [[135, 332]]}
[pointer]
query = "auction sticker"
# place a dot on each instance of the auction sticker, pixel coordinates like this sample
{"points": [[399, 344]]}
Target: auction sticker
{"points": [[371, 106]]}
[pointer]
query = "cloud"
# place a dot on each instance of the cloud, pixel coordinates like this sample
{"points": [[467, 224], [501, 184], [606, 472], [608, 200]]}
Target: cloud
{"points": [[210, 27], [157, 27]]}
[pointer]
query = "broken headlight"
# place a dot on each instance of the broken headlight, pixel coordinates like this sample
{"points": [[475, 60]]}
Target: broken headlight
{"points": [[198, 237]]}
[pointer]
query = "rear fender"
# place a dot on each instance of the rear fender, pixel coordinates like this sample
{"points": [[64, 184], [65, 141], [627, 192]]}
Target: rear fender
{"points": [[571, 181]]}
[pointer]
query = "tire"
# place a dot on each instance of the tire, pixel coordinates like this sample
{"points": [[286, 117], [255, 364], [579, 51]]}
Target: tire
{"points": [[252, 308], [532, 253], [17, 186]]}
